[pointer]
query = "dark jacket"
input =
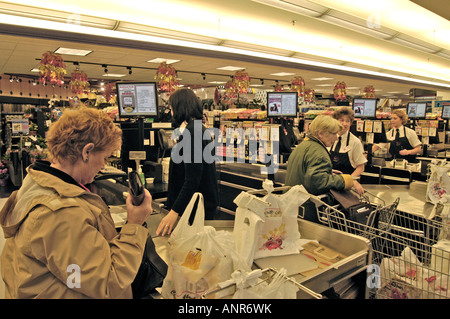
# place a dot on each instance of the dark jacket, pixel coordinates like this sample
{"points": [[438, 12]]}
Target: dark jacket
{"points": [[192, 169], [310, 165]]}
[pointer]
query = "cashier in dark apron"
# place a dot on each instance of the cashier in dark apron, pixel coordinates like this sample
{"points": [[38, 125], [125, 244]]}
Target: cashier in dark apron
{"points": [[403, 141], [347, 153]]}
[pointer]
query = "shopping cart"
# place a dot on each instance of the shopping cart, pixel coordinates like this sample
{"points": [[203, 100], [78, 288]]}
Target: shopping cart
{"points": [[413, 259], [332, 214], [410, 253]]}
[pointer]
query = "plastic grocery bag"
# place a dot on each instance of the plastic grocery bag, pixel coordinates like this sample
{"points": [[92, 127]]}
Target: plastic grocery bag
{"points": [[438, 183], [279, 287], [199, 256], [270, 229], [247, 227]]}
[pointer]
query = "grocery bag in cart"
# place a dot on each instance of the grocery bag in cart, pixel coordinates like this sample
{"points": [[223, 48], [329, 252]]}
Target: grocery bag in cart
{"points": [[438, 183], [267, 226], [199, 256]]}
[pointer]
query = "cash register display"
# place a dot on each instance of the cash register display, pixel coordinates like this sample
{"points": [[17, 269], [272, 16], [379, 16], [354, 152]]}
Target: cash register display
{"points": [[282, 104], [365, 108], [417, 110], [446, 111], [137, 99]]}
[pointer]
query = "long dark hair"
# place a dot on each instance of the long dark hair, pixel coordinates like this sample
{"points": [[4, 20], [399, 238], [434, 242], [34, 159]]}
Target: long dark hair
{"points": [[185, 105]]}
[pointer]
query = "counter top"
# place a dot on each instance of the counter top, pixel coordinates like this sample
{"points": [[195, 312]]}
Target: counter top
{"points": [[412, 197]]}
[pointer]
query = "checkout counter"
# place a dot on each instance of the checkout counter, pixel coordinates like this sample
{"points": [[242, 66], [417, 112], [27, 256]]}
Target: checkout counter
{"points": [[354, 252]]}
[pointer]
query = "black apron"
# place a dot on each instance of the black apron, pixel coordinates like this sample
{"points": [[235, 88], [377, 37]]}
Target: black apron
{"points": [[399, 144], [341, 161]]}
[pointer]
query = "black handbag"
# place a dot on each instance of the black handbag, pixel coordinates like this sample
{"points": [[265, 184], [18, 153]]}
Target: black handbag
{"points": [[151, 273], [354, 210]]}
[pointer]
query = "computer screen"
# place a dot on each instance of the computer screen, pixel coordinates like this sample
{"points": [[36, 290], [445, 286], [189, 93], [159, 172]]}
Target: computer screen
{"points": [[282, 104], [446, 110], [417, 110], [365, 108], [137, 99]]}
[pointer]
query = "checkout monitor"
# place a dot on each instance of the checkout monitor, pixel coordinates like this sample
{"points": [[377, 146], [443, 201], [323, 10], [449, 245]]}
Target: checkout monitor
{"points": [[137, 99], [282, 104], [365, 108], [446, 111], [417, 110]]}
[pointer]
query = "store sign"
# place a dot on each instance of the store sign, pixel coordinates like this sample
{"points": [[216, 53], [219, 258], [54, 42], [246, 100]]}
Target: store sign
{"points": [[20, 126]]}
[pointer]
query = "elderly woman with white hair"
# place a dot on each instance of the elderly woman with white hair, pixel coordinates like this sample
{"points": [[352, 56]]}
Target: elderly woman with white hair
{"points": [[310, 164]]}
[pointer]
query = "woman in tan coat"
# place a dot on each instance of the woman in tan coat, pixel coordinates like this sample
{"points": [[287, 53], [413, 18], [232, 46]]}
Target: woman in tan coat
{"points": [[61, 241]]}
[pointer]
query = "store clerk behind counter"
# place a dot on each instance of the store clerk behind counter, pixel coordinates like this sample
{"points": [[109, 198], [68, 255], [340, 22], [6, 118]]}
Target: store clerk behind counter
{"points": [[403, 141], [347, 154]]}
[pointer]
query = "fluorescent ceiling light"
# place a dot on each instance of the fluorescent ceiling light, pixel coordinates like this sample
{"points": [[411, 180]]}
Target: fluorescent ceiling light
{"points": [[231, 68], [113, 75], [282, 74], [161, 60], [353, 88], [256, 85], [72, 51], [217, 82], [35, 70], [324, 84], [322, 79]]}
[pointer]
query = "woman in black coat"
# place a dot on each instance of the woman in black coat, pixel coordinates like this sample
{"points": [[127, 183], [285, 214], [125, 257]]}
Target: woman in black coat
{"points": [[192, 164]]}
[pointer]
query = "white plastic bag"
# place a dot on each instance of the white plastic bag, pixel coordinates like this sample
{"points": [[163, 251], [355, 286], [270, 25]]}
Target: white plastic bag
{"points": [[247, 227], [199, 257], [280, 235], [279, 287], [438, 183]]}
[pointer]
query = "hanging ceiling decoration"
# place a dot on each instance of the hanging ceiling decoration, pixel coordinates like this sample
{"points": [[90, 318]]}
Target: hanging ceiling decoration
{"points": [[310, 96], [79, 82], [340, 91], [110, 91], [52, 68], [241, 81], [231, 93], [369, 92], [166, 75], [298, 85]]}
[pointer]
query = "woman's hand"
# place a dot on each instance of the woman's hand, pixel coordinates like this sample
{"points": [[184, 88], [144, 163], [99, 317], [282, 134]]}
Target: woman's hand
{"points": [[167, 224], [139, 214], [404, 152], [358, 187]]}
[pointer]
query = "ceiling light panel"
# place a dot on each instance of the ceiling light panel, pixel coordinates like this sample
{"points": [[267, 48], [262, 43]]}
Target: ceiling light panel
{"points": [[161, 60], [69, 51], [113, 75], [282, 74], [230, 68], [322, 79]]}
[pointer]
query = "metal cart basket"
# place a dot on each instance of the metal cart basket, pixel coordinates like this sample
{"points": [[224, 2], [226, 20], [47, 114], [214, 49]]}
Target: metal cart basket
{"points": [[333, 215], [410, 253]]}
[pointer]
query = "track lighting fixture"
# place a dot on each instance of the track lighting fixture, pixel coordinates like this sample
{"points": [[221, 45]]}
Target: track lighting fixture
{"points": [[129, 70], [105, 67]]}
